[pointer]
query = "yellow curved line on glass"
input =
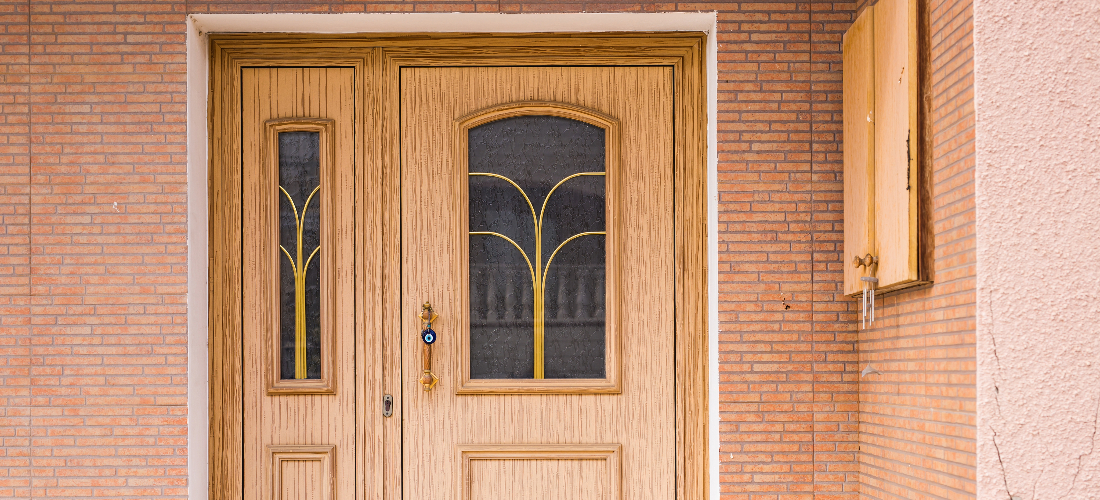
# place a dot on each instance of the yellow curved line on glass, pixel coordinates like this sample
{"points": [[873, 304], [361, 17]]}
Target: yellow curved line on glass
{"points": [[300, 269], [571, 238], [509, 240], [555, 188], [538, 273], [513, 183]]}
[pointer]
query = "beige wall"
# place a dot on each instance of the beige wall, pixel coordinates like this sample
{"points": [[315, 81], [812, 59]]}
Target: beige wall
{"points": [[1037, 81]]}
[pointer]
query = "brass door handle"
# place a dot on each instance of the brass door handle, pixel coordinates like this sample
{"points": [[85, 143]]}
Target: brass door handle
{"points": [[428, 337]]}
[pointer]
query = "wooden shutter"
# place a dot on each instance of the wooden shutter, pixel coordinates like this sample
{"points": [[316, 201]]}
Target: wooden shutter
{"points": [[887, 194], [896, 132], [859, 146]]}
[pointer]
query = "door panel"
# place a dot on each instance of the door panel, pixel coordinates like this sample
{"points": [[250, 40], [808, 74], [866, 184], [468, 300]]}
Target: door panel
{"points": [[298, 157], [523, 442], [536, 472]]}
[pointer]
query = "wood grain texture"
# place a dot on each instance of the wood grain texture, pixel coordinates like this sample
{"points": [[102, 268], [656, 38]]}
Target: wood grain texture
{"points": [[859, 147], [499, 49], [926, 234], [226, 436], [642, 418], [685, 55], [612, 383], [297, 419], [392, 327], [369, 203], [536, 472], [896, 142], [690, 191], [226, 433]]}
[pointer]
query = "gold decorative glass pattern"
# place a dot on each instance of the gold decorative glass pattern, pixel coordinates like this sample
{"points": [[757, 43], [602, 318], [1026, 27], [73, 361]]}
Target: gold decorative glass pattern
{"points": [[537, 249], [299, 244]]}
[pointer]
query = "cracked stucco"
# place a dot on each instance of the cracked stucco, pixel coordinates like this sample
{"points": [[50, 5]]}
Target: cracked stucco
{"points": [[1037, 96]]}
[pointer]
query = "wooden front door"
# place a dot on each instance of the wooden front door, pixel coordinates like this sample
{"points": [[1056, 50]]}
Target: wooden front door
{"points": [[537, 283], [457, 268]]}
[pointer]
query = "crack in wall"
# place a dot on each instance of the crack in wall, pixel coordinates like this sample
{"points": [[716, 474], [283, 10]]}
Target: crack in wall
{"points": [[1092, 447], [997, 396], [997, 406], [1035, 484], [1004, 476]]}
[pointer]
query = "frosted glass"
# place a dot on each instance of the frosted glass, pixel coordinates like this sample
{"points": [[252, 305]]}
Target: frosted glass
{"points": [[536, 153], [299, 177]]}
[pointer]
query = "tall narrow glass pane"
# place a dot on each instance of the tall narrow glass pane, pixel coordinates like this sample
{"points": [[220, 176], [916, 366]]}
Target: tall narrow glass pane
{"points": [[537, 249], [299, 255]]}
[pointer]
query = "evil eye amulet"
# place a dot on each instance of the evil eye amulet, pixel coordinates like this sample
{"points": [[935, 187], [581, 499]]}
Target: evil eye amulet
{"points": [[428, 336]]}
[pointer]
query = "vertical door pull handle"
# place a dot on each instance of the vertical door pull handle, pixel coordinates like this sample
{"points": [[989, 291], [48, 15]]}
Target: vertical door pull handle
{"points": [[428, 337]]}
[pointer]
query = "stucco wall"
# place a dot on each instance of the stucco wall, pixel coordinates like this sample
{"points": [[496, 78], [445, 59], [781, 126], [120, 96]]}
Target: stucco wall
{"points": [[1037, 80]]}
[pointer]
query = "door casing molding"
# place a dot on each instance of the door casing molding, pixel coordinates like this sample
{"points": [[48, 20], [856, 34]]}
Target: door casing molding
{"points": [[695, 201]]}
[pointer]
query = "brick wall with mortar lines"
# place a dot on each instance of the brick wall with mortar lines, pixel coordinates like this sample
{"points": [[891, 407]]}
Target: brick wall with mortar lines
{"points": [[92, 353], [918, 418], [786, 344], [96, 385], [14, 250]]}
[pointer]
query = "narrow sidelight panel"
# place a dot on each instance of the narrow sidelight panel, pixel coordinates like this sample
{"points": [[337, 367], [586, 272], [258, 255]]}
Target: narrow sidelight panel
{"points": [[300, 246]]}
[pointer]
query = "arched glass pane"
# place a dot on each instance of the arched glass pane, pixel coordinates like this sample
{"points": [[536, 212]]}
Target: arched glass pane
{"points": [[537, 186]]}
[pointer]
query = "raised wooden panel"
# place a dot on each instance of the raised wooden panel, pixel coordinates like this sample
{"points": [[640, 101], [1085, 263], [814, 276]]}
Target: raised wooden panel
{"points": [[859, 146], [301, 472], [897, 138], [537, 472]]}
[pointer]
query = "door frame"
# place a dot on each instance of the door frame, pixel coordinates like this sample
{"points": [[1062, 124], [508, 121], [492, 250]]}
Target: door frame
{"points": [[379, 59]]}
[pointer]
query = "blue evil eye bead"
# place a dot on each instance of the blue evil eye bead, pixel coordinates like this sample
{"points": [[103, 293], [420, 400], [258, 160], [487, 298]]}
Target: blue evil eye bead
{"points": [[428, 336]]}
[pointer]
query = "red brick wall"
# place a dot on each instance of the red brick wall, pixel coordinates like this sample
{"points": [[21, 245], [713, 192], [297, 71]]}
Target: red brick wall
{"points": [[14, 252], [93, 333], [917, 419], [95, 349], [788, 365]]}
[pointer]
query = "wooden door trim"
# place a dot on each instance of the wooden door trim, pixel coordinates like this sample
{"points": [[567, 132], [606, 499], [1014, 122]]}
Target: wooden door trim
{"points": [[378, 60]]}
